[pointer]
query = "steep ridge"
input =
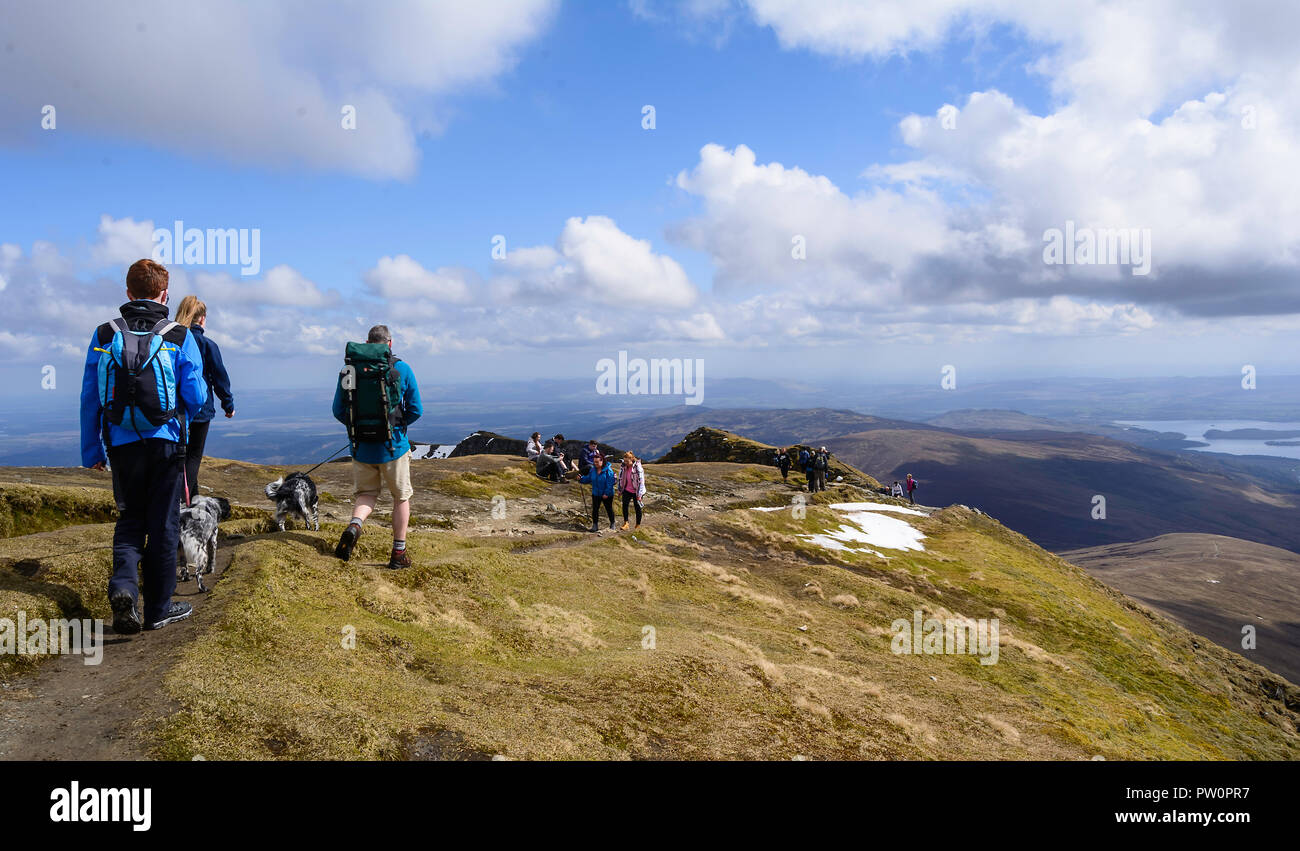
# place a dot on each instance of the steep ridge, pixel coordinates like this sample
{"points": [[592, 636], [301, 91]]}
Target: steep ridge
{"points": [[743, 620], [1215, 586]]}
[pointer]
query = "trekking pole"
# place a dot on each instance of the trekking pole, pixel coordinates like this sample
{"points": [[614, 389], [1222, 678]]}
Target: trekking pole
{"points": [[336, 452]]}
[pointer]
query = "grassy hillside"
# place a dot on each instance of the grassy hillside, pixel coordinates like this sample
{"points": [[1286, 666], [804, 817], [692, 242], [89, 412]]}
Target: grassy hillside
{"points": [[521, 637], [1213, 585]]}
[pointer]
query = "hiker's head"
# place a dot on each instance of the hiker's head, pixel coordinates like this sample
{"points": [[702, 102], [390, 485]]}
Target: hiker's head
{"points": [[537, 435], [559, 438], [147, 279], [629, 458], [379, 334], [598, 461], [191, 312], [591, 443]]}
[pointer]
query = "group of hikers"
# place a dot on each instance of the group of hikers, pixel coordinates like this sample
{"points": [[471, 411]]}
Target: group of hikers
{"points": [[147, 402], [815, 464], [595, 470]]}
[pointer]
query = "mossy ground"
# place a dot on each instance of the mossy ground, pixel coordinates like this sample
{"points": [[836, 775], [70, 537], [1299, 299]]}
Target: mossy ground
{"points": [[764, 645]]}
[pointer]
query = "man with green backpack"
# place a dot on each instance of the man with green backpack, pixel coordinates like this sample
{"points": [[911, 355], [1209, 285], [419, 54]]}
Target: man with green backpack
{"points": [[377, 398]]}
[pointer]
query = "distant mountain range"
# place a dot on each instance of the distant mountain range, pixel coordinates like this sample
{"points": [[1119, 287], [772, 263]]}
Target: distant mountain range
{"points": [[1042, 481]]}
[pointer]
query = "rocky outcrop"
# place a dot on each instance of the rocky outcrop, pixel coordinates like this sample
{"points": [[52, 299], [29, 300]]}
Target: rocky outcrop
{"points": [[712, 444], [491, 443]]}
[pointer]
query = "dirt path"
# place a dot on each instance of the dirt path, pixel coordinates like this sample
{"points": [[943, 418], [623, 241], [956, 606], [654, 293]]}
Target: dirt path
{"points": [[69, 710]]}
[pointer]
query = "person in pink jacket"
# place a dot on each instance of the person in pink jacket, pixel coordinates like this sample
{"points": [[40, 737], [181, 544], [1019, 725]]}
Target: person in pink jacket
{"points": [[631, 486]]}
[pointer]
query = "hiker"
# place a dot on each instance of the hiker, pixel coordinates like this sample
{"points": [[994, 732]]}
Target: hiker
{"points": [[896, 490], [142, 423], [911, 486], [631, 484], [550, 464], [602, 481], [193, 314], [783, 461], [821, 462], [379, 406], [543, 460], [587, 457], [805, 464]]}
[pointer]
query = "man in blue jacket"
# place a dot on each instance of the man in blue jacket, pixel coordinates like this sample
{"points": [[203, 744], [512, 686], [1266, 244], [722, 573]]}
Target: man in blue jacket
{"points": [[602, 481], [148, 462], [375, 463]]}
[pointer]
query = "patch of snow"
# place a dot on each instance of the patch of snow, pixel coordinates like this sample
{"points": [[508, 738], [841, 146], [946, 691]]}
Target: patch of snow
{"points": [[770, 508], [875, 506], [866, 526]]}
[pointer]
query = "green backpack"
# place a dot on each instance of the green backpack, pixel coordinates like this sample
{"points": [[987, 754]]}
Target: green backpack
{"points": [[372, 394]]}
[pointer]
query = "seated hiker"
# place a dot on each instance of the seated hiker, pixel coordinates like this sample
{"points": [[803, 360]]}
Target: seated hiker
{"points": [[550, 463], [896, 490], [534, 447], [587, 456], [602, 481]]}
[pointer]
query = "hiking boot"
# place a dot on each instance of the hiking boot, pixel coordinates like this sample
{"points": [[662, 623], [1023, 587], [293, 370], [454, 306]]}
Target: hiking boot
{"points": [[398, 560], [347, 541], [623, 527], [595, 527], [126, 619], [175, 612]]}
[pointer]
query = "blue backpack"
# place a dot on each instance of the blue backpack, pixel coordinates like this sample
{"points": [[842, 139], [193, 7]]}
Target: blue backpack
{"points": [[137, 376]]}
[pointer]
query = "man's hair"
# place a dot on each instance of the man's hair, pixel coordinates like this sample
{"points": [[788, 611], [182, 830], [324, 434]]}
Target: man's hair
{"points": [[146, 279], [379, 334], [559, 437]]}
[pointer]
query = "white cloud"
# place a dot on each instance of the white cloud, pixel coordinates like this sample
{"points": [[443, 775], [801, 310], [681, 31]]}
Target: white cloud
{"points": [[258, 83], [595, 260], [122, 241], [401, 278]]}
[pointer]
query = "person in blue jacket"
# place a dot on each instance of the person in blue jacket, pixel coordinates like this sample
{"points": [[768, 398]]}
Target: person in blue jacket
{"points": [[603, 482], [193, 314], [375, 462], [148, 462]]}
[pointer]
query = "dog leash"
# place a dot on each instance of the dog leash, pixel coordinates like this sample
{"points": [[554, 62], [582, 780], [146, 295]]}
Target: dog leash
{"points": [[345, 446]]}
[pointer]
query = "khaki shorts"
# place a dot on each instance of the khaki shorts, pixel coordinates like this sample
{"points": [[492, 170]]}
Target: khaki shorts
{"points": [[368, 478]]}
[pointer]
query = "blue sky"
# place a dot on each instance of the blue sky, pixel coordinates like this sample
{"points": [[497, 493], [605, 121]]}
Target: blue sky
{"points": [[923, 242]]}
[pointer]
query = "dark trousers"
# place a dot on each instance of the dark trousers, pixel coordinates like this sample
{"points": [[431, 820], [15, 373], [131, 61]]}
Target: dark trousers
{"points": [[628, 496], [812, 480], [819, 480], [194, 454], [785, 473], [909, 496], [597, 502], [147, 487]]}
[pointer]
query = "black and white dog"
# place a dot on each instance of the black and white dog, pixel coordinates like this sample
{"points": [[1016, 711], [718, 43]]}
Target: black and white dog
{"points": [[294, 494], [199, 535]]}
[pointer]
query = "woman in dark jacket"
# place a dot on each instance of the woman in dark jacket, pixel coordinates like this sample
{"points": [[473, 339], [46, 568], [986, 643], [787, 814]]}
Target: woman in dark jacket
{"points": [[193, 314]]}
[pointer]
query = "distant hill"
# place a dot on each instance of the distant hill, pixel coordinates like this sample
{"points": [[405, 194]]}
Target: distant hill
{"points": [[1043, 484], [655, 435], [1213, 585]]}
